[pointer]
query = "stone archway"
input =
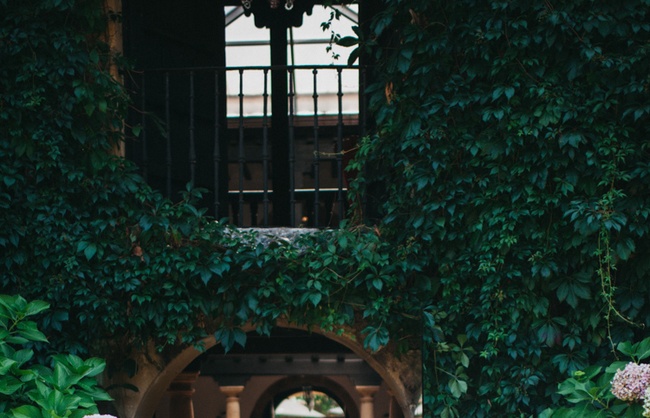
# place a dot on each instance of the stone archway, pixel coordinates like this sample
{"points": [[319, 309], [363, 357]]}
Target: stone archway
{"points": [[294, 383], [402, 374]]}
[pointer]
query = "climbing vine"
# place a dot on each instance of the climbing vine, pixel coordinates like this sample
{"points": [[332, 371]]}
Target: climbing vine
{"points": [[511, 157], [508, 179], [120, 265]]}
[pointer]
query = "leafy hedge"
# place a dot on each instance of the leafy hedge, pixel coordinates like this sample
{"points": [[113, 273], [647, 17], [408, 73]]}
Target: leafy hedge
{"points": [[513, 157]]}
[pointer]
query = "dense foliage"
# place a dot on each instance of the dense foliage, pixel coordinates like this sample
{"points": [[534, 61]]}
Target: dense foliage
{"points": [[119, 264], [512, 156], [65, 388], [513, 163]]}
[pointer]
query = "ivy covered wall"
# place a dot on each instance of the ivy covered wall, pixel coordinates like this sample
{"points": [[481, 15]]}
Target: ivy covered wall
{"points": [[510, 166], [513, 161]]}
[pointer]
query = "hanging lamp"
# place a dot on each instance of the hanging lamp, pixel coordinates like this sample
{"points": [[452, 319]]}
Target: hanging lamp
{"points": [[287, 13], [273, 4]]}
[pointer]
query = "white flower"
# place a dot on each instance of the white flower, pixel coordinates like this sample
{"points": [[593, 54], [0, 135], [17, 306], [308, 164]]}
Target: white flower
{"points": [[99, 416]]}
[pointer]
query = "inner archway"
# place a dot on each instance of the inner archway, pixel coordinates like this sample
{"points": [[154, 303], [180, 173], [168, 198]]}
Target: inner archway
{"points": [[307, 403], [289, 385]]}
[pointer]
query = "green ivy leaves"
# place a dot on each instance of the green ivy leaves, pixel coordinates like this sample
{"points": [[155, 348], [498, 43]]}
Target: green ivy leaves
{"points": [[506, 152]]}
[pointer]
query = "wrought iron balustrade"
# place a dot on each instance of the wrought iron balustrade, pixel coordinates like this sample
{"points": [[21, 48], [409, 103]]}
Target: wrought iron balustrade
{"points": [[216, 128]]}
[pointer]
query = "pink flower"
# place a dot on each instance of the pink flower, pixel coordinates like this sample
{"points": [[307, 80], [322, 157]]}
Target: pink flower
{"points": [[630, 384]]}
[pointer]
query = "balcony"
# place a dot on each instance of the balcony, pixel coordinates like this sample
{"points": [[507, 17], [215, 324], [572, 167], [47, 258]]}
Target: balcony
{"points": [[268, 144]]}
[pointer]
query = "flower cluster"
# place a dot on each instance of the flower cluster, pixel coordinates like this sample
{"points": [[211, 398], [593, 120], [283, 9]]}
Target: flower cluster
{"points": [[646, 403], [630, 384]]}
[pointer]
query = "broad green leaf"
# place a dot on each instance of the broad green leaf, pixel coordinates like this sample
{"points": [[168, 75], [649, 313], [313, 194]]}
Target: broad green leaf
{"points": [[28, 330], [22, 356], [26, 411], [36, 306], [9, 385], [5, 365], [642, 349]]}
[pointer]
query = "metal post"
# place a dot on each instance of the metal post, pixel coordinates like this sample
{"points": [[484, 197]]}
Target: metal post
{"points": [[339, 145], [279, 124], [316, 153], [292, 152], [241, 157], [265, 150]]}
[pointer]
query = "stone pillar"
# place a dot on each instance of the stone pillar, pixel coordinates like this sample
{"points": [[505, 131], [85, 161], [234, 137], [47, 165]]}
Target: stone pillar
{"points": [[180, 392], [367, 402], [232, 400]]}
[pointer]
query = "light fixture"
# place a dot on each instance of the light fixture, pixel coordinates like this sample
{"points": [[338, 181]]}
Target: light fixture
{"points": [[270, 13], [273, 4]]}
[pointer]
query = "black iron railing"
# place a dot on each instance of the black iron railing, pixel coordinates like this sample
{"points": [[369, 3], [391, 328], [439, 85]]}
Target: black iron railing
{"points": [[215, 128]]}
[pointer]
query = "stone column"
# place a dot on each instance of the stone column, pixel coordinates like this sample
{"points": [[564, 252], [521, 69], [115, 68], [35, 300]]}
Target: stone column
{"points": [[181, 391], [367, 402], [232, 400]]}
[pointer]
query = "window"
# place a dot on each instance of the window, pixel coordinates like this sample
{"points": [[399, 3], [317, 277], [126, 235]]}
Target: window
{"points": [[307, 45]]}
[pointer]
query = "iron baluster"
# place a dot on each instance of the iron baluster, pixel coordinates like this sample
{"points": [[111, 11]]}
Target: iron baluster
{"points": [[316, 152], [292, 151], [339, 144], [265, 150], [241, 157]]}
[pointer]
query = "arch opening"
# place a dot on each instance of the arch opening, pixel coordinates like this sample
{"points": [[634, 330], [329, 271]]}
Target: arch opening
{"points": [[275, 394], [309, 403], [261, 364]]}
